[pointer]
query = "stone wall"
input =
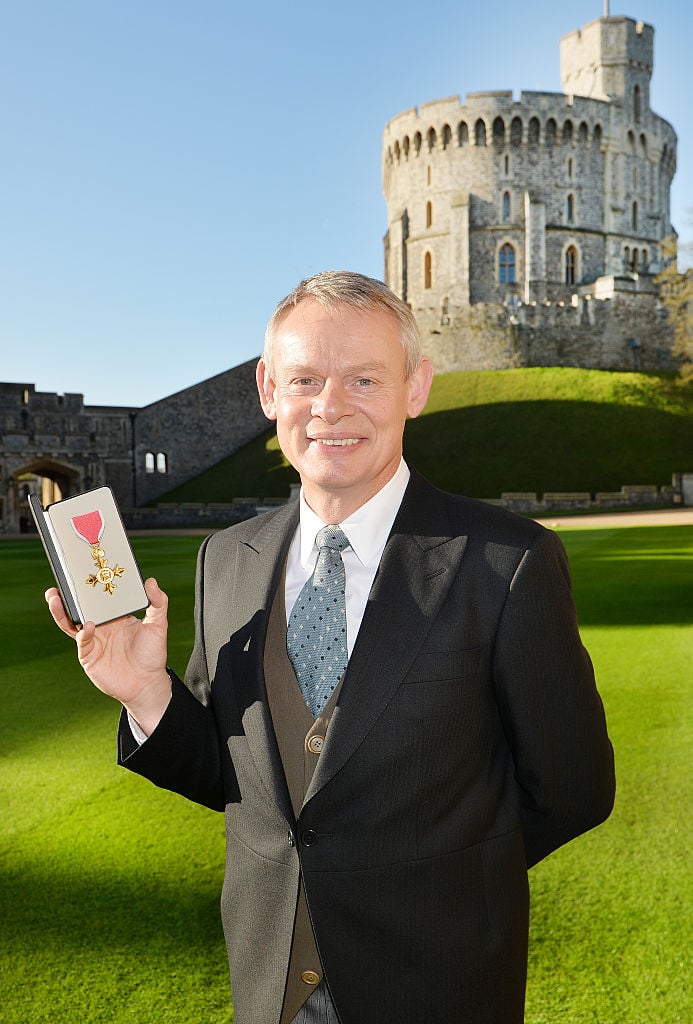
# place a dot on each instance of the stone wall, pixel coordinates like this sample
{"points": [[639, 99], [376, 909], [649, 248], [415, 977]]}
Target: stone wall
{"points": [[57, 437], [140, 453], [194, 429], [626, 332]]}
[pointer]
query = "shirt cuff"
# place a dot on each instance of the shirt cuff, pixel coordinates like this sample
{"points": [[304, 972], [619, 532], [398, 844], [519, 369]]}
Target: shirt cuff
{"points": [[137, 734]]}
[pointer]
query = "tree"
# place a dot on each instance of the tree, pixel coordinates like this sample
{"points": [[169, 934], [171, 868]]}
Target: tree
{"points": [[676, 292]]}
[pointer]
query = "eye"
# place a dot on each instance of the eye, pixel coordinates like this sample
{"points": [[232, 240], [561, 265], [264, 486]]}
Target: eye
{"points": [[364, 382]]}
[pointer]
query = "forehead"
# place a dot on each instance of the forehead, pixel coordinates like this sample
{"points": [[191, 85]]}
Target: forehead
{"points": [[313, 328]]}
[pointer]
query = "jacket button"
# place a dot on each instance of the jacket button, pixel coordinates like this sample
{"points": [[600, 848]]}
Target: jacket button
{"points": [[310, 977], [309, 837], [315, 743]]}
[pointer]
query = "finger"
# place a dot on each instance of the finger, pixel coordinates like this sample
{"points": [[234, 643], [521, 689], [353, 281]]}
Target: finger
{"points": [[85, 641], [57, 610]]}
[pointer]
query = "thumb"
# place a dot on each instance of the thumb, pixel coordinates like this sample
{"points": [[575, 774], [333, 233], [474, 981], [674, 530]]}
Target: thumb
{"points": [[158, 605]]}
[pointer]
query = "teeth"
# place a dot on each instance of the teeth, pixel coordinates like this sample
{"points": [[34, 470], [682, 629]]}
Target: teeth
{"points": [[334, 441]]}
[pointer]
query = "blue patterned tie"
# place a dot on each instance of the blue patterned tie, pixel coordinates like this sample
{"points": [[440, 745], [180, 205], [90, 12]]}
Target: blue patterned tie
{"points": [[316, 638]]}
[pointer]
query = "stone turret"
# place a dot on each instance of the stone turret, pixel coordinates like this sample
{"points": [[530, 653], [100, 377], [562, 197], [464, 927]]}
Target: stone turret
{"points": [[498, 202]]}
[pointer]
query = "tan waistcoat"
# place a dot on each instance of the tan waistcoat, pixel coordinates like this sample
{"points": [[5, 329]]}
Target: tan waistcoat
{"points": [[300, 741]]}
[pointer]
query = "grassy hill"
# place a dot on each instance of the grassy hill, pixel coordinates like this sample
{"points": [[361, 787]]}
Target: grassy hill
{"points": [[489, 431]]}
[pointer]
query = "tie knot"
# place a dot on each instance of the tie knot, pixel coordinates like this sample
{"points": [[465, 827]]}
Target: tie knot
{"points": [[331, 537]]}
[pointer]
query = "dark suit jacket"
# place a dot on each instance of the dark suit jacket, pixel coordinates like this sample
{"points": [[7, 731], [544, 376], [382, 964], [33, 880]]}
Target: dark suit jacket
{"points": [[467, 743]]}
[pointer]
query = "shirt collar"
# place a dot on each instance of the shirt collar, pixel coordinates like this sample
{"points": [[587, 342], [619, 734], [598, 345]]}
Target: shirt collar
{"points": [[367, 529]]}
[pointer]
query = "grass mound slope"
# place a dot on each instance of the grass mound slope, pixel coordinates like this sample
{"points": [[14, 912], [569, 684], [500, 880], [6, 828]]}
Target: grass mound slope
{"points": [[490, 431]]}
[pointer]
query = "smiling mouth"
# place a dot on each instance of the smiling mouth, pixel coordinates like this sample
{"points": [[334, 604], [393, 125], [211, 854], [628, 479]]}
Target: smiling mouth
{"points": [[336, 442]]}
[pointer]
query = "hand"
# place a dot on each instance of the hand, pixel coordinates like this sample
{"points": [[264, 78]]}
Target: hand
{"points": [[126, 658]]}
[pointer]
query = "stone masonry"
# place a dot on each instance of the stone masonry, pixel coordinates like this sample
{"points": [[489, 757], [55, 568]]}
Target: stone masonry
{"points": [[56, 446], [529, 232]]}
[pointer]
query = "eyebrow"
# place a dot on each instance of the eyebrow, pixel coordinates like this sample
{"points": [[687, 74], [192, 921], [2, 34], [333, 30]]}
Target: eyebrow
{"points": [[360, 369]]}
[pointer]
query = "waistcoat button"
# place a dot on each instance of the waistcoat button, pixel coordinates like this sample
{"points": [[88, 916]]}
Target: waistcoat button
{"points": [[309, 837], [310, 977], [315, 743]]}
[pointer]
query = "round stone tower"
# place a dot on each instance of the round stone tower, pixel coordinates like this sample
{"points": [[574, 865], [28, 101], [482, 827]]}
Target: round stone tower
{"points": [[506, 204]]}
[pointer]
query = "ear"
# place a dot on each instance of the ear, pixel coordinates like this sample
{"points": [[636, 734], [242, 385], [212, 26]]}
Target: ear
{"points": [[266, 389], [419, 387]]}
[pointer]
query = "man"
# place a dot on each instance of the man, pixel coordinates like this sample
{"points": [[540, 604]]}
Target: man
{"points": [[380, 820]]}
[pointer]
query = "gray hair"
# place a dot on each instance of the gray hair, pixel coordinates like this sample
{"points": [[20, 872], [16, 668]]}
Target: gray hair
{"points": [[334, 288]]}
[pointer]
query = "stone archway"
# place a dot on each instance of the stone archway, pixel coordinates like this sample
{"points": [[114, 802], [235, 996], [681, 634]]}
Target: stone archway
{"points": [[50, 479]]}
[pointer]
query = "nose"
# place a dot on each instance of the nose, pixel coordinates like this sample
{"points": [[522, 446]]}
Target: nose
{"points": [[332, 403]]}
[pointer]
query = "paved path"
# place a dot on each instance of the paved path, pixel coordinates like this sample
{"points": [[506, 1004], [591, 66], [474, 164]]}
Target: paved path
{"points": [[658, 517]]}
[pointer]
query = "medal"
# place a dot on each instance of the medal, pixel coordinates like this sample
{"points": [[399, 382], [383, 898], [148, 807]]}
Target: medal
{"points": [[89, 528]]}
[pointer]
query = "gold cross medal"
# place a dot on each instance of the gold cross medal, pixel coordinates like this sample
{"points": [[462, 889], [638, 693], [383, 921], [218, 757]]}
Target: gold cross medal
{"points": [[89, 528]]}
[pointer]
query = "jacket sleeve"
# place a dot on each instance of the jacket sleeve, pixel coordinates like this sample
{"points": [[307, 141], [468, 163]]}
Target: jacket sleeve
{"points": [[183, 754], [551, 710]]}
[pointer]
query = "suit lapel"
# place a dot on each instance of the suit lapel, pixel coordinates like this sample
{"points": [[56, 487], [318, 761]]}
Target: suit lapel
{"points": [[259, 565], [419, 563]]}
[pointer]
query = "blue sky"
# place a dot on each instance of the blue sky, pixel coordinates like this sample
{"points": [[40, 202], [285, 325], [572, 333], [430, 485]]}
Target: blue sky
{"points": [[171, 169]]}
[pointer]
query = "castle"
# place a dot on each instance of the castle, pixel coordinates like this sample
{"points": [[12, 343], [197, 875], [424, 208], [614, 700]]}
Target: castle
{"points": [[521, 233], [530, 233]]}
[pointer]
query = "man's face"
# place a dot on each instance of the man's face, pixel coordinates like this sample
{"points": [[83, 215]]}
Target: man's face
{"points": [[340, 399]]}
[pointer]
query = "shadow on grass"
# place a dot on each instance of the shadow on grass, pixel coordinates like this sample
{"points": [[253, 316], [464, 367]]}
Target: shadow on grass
{"points": [[137, 913], [90, 948], [548, 446]]}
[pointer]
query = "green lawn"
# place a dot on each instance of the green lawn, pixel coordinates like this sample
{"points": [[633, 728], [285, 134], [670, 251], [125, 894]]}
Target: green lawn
{"points": [[109, 888]]}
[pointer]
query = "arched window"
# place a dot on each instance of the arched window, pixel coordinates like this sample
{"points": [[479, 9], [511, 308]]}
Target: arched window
{"points": [[428, 271], [568, 133], [570, 208], [634, 216], [630, 139], [533, 132], [570, 265], [644, 261], [597, 136], [643, 145], [397, 152], [405, 147], [570, 167], [417, 143], [149, 463], [431, 138], [498, 131], [506, 206], [462, 133], [428, 175], [161, 462], [626, 258], [506, 165], [506, 264], [637, 105], [429, 214], [516, 132], [583, 132], [634, 260], [447, 135], [550, 132], [480, 133]]}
